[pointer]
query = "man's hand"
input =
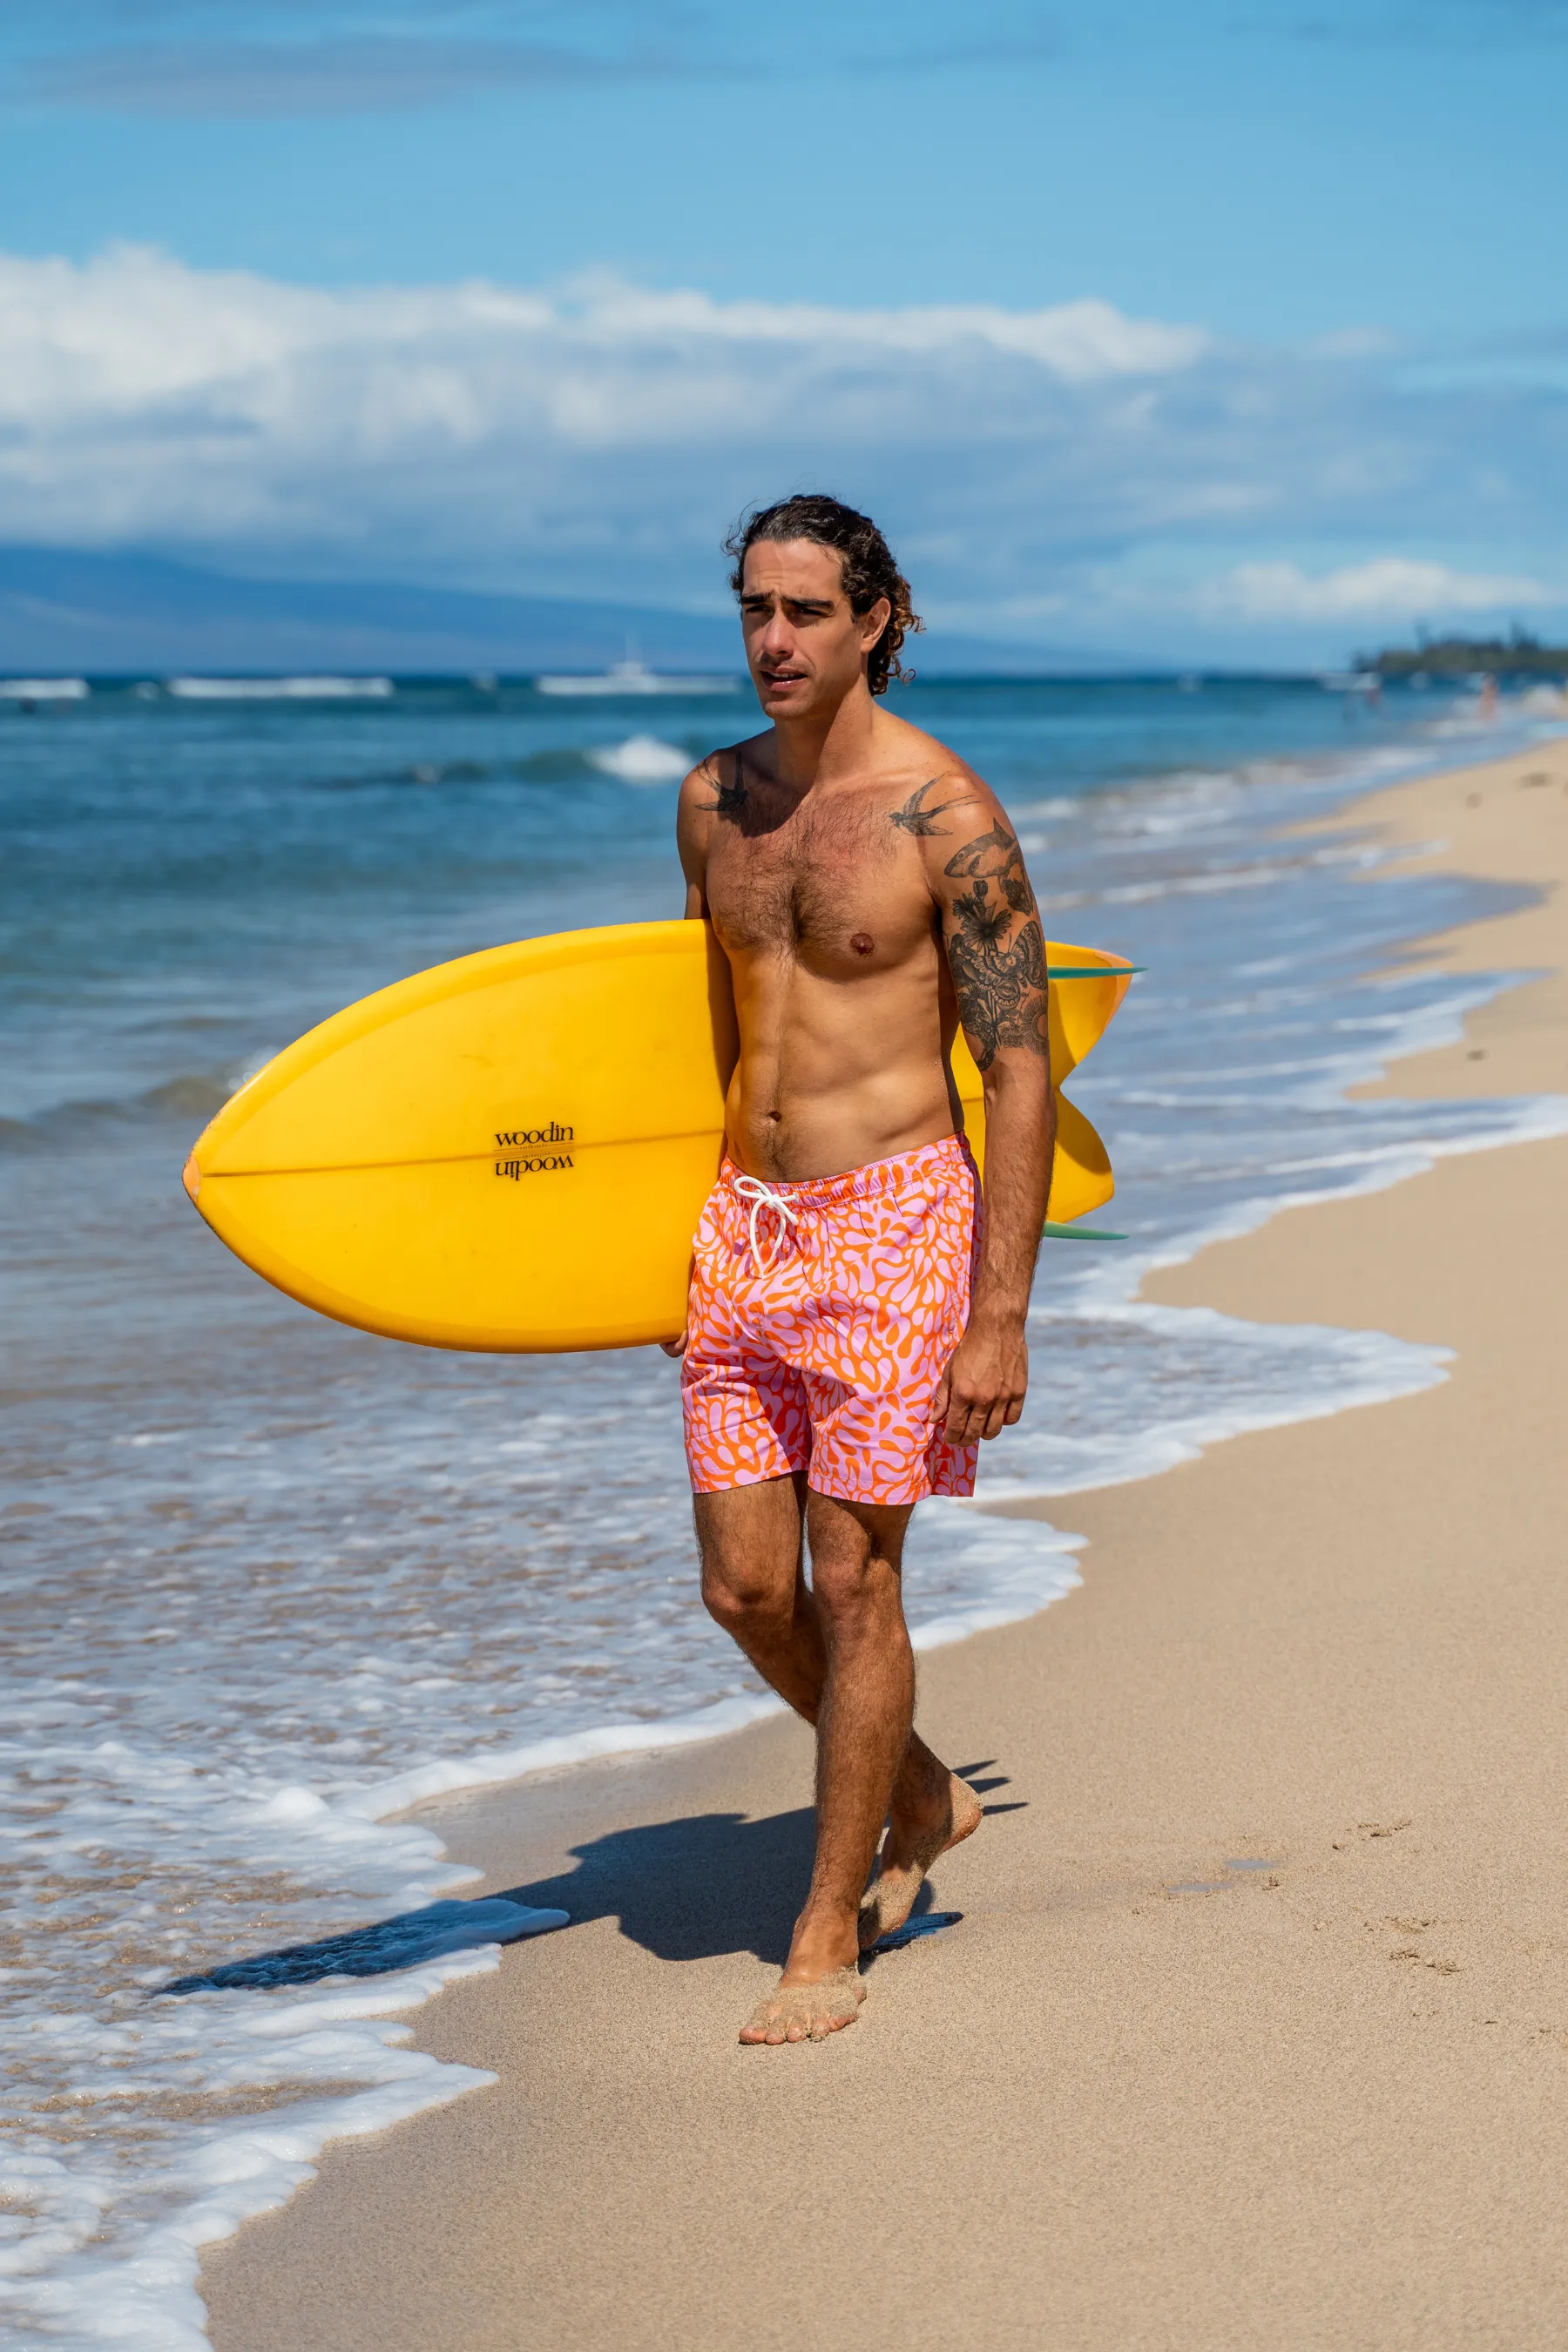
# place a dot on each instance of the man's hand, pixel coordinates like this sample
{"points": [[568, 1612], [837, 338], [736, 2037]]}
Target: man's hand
{"points": [[676, 1348], [982, 1392]]}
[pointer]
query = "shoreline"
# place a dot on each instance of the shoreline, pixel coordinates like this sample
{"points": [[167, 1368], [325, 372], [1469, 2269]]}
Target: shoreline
{"points": [[390, 2241]]}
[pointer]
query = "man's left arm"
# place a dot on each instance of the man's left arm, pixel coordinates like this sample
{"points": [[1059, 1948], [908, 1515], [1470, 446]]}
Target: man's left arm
{"points": [[997, 953]]}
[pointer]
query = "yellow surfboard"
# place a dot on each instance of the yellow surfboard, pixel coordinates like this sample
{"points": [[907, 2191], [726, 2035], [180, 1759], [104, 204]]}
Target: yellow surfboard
{"points": [[511, 1153]]}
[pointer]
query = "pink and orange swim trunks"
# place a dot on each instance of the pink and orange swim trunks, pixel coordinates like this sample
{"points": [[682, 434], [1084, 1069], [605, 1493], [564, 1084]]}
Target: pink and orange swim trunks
{"points": [[822, 1318]]}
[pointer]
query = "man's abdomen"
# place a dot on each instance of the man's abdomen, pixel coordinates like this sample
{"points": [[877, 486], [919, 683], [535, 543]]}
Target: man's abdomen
{"points": [[832, 1078]]}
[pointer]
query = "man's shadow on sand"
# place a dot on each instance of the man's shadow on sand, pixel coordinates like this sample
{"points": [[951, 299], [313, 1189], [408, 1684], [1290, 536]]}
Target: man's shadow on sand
{"points": [[692, 1889], [705, 1886]]}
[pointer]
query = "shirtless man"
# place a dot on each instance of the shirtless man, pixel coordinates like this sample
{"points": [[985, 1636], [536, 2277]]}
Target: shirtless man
{"points": [[856, 1323]]}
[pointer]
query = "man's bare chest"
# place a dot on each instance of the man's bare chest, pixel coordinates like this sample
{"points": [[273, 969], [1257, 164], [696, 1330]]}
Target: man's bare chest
{"points": [[834, 885]]}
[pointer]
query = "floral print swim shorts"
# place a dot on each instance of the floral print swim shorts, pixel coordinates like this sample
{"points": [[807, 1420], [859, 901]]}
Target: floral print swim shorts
{"points": [[822, 1318]]}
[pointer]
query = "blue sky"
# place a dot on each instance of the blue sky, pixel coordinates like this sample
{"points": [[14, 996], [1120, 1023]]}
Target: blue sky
{"points": [[1321, 391]]}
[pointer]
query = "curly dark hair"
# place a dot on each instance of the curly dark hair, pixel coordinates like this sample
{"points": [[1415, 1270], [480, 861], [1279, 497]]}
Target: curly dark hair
{"points": [[866, 562]]}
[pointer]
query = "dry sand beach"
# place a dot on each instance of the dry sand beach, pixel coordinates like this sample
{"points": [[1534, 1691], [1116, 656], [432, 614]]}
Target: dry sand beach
{"points": [[1255, 2030]]}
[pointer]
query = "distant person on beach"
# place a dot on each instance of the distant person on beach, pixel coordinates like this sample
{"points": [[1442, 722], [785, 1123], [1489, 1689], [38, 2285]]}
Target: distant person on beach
{"points": [[856, 1323]]}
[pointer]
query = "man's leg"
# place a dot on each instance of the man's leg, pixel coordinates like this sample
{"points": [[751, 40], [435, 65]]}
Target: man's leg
{"points": [[753, 1583], [846, 1637], [865, 1716]]}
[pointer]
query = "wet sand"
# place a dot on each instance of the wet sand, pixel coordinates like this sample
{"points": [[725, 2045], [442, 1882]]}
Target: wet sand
{"points": [[1255, 2027]]}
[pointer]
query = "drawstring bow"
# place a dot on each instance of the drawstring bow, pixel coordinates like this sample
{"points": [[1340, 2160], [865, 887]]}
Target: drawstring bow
{"points": [[762, 1196]]}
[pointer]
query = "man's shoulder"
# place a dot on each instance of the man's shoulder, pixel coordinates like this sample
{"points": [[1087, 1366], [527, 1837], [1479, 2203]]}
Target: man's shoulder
{"points": [[931, 790], [910, 756], [722, 760], [702, 784]]}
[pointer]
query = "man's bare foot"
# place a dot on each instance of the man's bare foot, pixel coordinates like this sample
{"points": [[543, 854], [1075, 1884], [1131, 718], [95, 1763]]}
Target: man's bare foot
{"points": [[911, 1846], [807, 2013]]}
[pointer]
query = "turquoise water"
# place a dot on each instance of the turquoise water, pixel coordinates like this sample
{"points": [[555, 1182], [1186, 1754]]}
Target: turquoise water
{"points": [[186, 888]]}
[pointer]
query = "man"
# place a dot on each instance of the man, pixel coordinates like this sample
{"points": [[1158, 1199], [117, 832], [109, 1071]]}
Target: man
{"points": [[856, 1323]]}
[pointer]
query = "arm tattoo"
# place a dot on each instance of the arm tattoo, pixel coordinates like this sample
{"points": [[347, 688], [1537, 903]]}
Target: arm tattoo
{"points": [[916, 818], [1001, 985], [731, 797], [983, 926], [997, 856]]}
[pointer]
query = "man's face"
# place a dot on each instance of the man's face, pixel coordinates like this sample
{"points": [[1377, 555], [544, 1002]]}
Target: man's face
{"points": [[804, 646]]}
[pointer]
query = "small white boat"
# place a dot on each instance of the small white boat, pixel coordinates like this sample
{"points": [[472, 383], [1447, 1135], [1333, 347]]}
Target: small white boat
{"points": [[632, 677], [1351, 681], [280, 689], [44, 690]]}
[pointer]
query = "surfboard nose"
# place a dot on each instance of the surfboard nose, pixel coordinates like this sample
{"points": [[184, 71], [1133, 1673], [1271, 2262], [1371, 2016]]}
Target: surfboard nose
{"points": [[191, 1176]]}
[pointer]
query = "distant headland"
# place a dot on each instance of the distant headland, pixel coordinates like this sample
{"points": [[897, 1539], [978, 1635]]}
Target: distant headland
{"points": [[1518, 655]]}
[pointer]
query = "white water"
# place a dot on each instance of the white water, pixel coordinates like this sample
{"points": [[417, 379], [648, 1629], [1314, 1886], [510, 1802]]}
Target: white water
{"points": [[641, 760]]}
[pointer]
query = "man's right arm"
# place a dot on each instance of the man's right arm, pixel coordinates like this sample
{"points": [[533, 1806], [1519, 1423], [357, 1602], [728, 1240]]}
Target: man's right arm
{"points": [[693, 818], [694, 815]]}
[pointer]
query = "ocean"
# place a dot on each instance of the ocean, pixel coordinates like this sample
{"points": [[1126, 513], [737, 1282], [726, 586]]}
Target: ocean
{"points": [[268, 1580]]}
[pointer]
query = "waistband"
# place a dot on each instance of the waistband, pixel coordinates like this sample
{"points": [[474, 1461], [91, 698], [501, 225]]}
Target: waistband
{"points": [[948, 1155]]}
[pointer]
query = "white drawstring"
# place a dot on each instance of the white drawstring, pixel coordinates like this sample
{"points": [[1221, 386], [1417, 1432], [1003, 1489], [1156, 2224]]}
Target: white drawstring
{"points": [[762, 1196]]}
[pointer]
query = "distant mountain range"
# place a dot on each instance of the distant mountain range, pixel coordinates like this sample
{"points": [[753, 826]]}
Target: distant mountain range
{"points": [[61, 610]]}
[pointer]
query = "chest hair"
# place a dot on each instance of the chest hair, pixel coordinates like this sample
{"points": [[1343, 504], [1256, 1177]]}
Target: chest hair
{"points": [[829, 870]]}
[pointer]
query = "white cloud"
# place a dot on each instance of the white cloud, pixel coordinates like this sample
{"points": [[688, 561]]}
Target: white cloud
{"points": [[1390, 587], [133, 326], [1117, 474], [141, 397], [1076, 341]]}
